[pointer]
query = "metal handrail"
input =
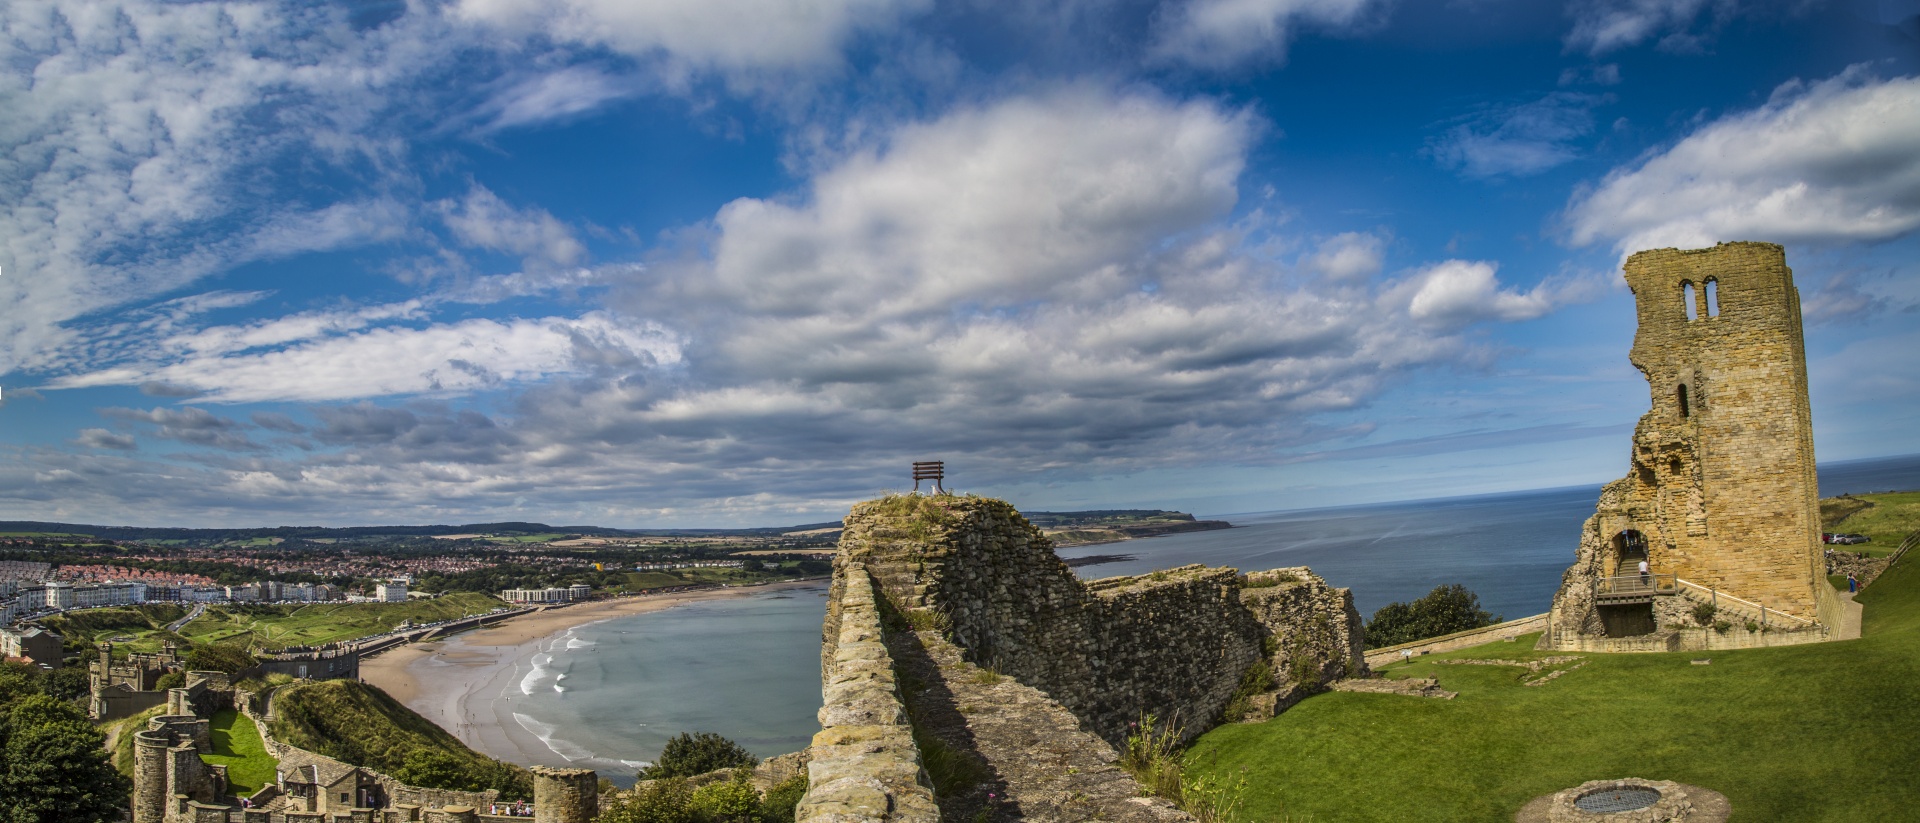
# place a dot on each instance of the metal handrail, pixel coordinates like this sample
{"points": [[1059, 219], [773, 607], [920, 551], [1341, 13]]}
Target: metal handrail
{"points": [[1636, 584], [1764, 611]]}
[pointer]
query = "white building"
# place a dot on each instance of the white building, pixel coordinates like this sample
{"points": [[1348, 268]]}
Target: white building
{"points": [[392, 591], [570, 594]]}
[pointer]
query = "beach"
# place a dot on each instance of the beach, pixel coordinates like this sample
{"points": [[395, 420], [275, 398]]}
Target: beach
{"points": [[468, 683]]}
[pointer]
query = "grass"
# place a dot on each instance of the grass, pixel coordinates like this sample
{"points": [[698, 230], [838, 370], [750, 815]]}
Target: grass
{"points": [[1888, 521], [362, 725], [652, 580], [1823, 732], [237, 745], [266, 626]]}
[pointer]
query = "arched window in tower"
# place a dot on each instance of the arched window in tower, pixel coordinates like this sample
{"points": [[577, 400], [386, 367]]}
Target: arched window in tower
{"points": [[1686, 298], [1713, 297], [1681, 394]]}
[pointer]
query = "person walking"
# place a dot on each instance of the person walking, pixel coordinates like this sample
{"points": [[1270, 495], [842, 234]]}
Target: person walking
{"points": [[1643, 571], [1853, 585]]}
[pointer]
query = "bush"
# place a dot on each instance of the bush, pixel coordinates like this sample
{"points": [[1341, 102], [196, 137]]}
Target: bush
{"points": [[1703, 613], [782, 798], [734, 801], [1445, 610], [661, 801], [1721, 626], [691, 753], [171, 680]]}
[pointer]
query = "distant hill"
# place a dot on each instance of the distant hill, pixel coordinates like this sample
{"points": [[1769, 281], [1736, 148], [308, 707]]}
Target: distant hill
{"points": [[158, 534]]}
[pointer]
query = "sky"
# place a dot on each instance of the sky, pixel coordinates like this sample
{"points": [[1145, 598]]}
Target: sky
{"points": [[739, 262]]}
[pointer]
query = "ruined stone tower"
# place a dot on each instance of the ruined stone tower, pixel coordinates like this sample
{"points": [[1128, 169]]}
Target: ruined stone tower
{"points": [[1721, 501], [565, 795]]}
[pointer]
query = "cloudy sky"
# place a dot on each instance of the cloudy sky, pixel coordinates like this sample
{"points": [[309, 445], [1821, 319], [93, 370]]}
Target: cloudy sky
{"points": [[738, 262]]}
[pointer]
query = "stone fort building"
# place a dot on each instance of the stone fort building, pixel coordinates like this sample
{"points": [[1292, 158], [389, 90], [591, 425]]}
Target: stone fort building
{"points": [[1721, 501]]}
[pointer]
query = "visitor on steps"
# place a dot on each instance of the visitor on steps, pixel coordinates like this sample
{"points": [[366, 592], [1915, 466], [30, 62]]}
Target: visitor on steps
{"points": [[1643, 571]]}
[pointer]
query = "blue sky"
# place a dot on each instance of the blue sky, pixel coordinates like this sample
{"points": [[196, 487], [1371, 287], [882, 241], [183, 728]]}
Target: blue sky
{"points": [[738, 262]]}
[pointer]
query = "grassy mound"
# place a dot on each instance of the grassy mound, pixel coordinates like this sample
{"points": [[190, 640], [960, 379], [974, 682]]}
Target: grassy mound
{"points": [[1887, 519], [280, 625], [359, 724], [237, 745], [1823, 732]]}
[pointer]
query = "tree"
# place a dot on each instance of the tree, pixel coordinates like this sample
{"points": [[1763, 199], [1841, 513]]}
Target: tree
{"points": [[691, 753], [434, 769], [52, 766], [778, 807], [1445, 610]]}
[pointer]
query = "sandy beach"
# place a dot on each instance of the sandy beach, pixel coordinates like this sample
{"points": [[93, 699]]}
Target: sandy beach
{"points": [[465, 683]]}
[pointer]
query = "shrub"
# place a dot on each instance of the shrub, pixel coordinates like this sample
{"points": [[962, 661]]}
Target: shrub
{"points": [[1721, 626], [1445, 610], [780, 801], [734, 801], [1703, 613], [691, 753], [1752, 626], [661, 801], [171, 680], [1256, 679]]}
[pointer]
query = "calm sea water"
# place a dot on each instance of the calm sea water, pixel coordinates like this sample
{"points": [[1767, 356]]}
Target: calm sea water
{"points": [[609, 695]]}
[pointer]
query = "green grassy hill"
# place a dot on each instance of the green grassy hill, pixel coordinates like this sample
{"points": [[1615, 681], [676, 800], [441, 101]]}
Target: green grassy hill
{"points": [[360, 724], [1823, 732]]}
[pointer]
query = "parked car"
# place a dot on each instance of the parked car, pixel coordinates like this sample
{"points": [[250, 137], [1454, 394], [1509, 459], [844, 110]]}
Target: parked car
{"points": [[1829, 537], [1851, 539]]}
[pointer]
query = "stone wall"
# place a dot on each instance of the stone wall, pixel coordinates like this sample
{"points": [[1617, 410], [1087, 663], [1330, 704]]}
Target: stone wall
{"points": [[864, 765], [1460, 640], [1174, 644], [1721, 482]]}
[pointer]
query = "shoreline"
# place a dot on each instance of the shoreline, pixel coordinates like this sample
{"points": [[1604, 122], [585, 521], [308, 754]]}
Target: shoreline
{"points": [[457, 682]]}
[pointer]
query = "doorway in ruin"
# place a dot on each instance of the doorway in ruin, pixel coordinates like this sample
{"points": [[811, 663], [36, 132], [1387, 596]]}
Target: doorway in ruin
{"points": [[1627, 619], [1629, 548]]}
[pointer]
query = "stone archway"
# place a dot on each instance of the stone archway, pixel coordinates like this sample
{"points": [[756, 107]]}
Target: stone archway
{"points": [[1629, 548]]}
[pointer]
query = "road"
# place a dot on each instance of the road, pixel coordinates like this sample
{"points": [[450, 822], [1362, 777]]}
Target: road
{"points": [[198, 609]]}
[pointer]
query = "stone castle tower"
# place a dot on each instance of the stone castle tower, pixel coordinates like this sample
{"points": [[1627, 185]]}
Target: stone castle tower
{"points": [[1721, 500]]}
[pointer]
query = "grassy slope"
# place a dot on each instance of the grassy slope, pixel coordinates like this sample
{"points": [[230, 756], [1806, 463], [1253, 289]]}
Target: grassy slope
{"points": [[1809, 733], [1890, 520], [237, 745], [313, 624], [360, 724]]}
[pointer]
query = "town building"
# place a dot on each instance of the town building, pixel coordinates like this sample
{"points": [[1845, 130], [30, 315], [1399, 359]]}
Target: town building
{"points": [[33, 644], [570, 594]]}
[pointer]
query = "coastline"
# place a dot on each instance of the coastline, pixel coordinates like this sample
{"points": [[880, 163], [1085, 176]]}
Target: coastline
{"points": [[461, 683]]}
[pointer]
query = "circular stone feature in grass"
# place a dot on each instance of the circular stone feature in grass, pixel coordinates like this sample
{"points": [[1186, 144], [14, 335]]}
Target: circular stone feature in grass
{"points": [[1628, 800], [1617, 799]]}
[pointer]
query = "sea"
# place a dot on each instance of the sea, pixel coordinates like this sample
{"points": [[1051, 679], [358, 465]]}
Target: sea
{"points": [[609, 695]]}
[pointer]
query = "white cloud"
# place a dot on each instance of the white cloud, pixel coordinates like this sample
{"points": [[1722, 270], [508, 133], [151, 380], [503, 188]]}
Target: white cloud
{"points": [[728, 36], [1600, 26], [482, 219], [1517, 141], [143, 142], [1350, 256], [441, 358], [103, 439], [1027, 199], [1454, 293], [557, 95], [1834, 161], [1219, 34]]}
